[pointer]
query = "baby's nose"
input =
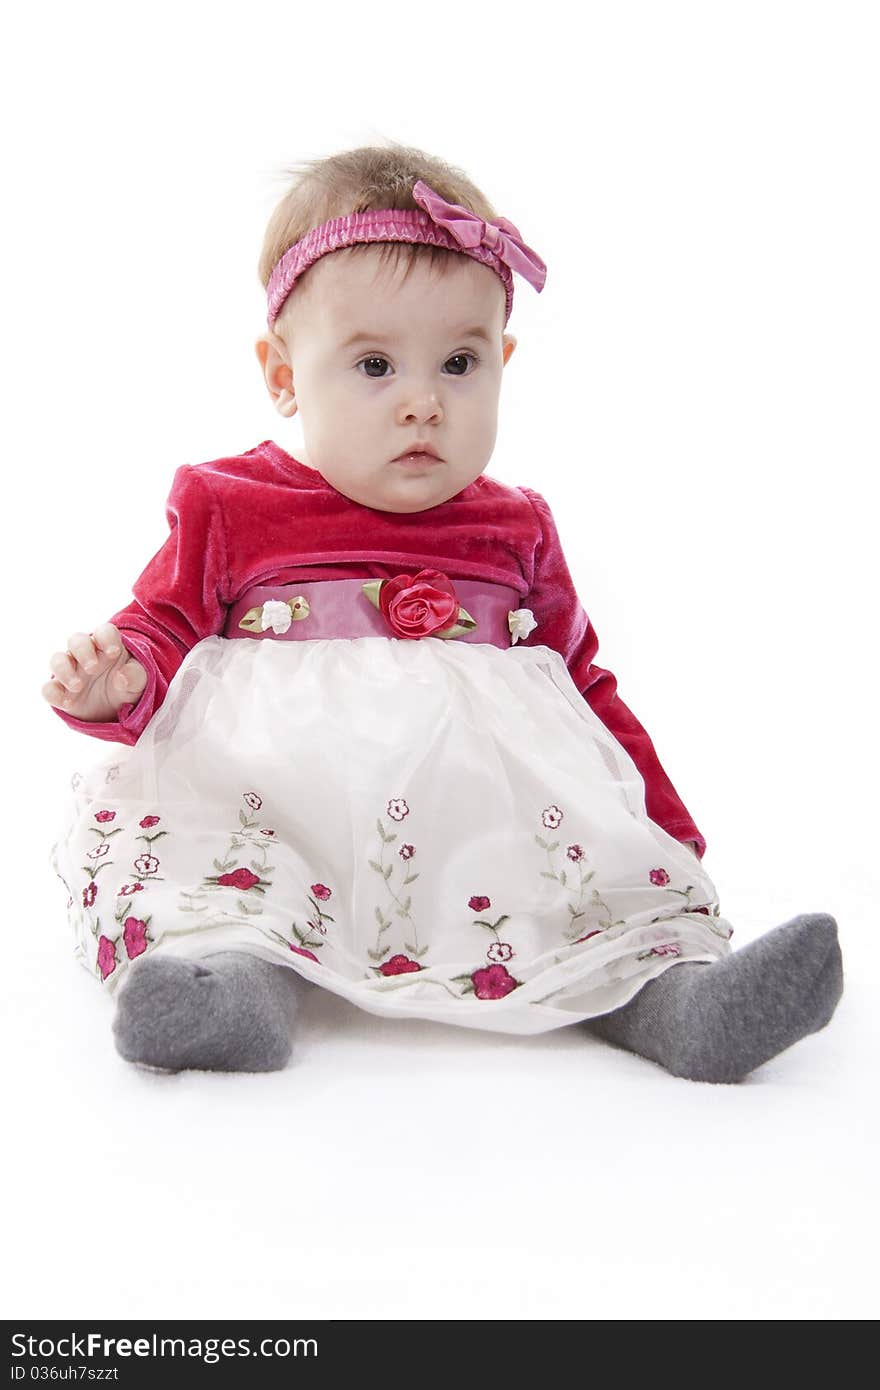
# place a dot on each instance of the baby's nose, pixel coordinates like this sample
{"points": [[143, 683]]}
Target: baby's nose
{"points": [[420, 406]]}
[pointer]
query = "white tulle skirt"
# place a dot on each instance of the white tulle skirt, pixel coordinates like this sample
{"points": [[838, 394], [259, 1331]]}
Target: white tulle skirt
{"points": [[430, 829]]}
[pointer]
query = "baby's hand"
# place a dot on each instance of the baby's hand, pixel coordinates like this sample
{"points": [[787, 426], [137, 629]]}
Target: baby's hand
{"points": [[95, 676]]}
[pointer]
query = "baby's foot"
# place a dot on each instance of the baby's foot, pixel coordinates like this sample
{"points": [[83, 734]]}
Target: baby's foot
{"points": [[717, 1022], [228, 1012]]}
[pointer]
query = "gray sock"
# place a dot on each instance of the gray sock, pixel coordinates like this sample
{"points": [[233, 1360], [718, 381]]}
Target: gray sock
{"points": [[228, 1012], [717, 1022]]}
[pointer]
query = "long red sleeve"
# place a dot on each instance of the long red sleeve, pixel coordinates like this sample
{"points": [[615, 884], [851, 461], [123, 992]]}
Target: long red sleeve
{"points": [[178, 600], [564, 626]]}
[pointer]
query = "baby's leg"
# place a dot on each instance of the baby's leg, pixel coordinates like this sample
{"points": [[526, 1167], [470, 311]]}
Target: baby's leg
{"points": [[227, 1012], [717, 1022]]}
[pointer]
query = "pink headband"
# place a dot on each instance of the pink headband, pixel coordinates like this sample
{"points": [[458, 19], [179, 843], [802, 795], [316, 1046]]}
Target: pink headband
{"points": [[496, 244]]}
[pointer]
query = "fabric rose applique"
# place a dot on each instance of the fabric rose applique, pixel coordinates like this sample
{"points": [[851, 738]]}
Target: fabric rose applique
{"points": [[420, 605], [521, 622], [276, 614]]}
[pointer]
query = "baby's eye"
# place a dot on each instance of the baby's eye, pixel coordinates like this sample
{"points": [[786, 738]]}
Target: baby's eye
{"points": [[460, 357], [368, 362]]}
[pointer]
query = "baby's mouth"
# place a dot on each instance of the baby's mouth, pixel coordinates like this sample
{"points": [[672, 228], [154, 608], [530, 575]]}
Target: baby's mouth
{"points": [[417, 458]]}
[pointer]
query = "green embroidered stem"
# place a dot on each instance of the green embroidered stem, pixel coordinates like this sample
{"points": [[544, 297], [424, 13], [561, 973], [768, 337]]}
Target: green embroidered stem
{"points": [[493, 926], [238, 840], [576, 907], [402, 908]]}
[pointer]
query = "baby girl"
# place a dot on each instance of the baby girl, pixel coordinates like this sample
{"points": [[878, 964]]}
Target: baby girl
{"points": [[365, 743]]}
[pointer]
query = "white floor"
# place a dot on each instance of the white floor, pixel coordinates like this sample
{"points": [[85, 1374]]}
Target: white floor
{"points": [[408, 1170]]}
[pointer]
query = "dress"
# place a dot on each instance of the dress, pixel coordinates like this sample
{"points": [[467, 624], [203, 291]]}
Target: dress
{"points": [[449, 828]]}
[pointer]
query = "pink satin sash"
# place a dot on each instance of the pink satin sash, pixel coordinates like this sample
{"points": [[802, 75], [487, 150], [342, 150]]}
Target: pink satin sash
{"points": [[340, 608]]}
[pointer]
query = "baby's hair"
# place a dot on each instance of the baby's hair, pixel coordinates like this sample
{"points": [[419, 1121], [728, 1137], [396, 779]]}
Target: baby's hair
{"points": [[365, 180]]}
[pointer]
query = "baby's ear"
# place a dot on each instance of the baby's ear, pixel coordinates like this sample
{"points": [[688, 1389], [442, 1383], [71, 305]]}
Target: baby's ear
{"points": [[508, 343], [277, 373]]}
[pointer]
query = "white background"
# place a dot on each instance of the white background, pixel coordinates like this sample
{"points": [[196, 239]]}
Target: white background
{"points": [[695, 393]]}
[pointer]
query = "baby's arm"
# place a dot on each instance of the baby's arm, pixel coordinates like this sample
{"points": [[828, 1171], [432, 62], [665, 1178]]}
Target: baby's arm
{"points": [[564, 625], [180, 598]]}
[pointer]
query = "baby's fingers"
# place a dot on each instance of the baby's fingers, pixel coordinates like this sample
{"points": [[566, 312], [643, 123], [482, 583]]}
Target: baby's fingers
{"points": [[106, 639], [65, 671], [56, 694], [96, 649], [130, 678]]}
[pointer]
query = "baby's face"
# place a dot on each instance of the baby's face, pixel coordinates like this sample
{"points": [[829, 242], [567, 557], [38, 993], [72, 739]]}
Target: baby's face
{"points": [[426, 368]]}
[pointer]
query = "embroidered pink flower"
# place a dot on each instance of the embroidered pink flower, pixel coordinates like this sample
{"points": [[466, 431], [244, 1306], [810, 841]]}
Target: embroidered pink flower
{"points": [[239, 878], [700, 909], [493, 982], [417, 605], [105, 815], [406, 851], [106, 956], [148, 821], [399, 965], [575, 853], [669, 948], [301, 951], [477, 904], [90, 892], [660, 877], [499, 950], [587, 937], [551, 817], [270, 833], [320, 891], [100, 850], [128, 888], [146, 864], [135, 937], [397, 809], [254, 801]]}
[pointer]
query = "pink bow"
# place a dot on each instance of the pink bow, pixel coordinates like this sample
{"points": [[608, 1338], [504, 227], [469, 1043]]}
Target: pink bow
{"points": [[499, 236]]}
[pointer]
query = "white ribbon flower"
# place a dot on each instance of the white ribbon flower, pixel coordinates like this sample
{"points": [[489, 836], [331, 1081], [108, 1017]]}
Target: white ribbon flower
{"points": [[276, 615], [521, 622]]}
